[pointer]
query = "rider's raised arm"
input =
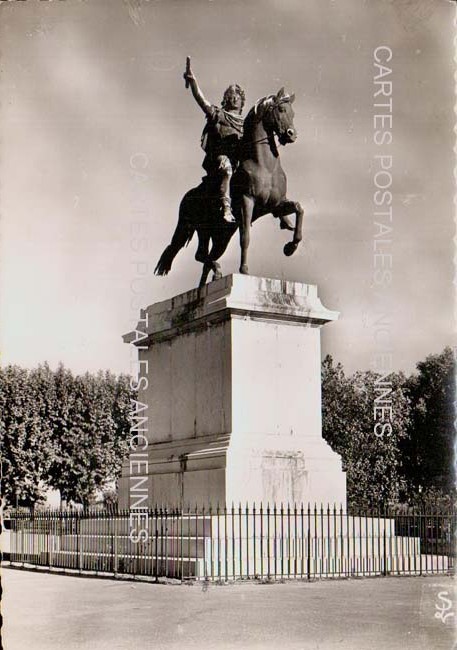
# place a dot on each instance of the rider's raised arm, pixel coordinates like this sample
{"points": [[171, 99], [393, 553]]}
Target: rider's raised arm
{"points": [[196, 92]]}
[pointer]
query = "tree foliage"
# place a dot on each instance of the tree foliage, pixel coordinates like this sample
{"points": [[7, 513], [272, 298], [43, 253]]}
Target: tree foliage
{"points": [[25, 401], [429, 449], [61, 431], [415, 463], [372, 462], [70, 432]]}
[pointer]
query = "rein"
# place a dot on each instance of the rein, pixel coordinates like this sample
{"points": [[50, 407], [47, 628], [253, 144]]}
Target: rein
{"points": [[268, 139], [264, 140]]}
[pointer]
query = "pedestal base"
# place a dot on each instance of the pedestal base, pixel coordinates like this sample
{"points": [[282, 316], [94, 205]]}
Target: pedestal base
{"points": [[233, 375], [216, 471]]}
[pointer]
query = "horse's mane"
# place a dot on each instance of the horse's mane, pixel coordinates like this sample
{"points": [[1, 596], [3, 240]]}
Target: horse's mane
{"points": [[256, 111]]}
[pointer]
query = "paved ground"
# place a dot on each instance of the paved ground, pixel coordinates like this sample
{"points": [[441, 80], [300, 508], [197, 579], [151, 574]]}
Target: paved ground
{"points": [[55, 612]]}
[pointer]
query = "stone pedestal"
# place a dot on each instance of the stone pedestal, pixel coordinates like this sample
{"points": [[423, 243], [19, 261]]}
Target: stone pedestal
{"points": [[234, 397]]}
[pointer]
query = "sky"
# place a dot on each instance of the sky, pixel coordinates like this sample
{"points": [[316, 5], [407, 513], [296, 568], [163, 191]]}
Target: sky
{"points": [[99, 141]]}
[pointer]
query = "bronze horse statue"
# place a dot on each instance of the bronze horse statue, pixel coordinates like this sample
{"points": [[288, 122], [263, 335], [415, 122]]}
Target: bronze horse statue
{"points": [[258, 187]]}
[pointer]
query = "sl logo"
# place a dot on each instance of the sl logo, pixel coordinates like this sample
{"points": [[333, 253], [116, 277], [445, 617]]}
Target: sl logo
{"points": [[446, 605]]}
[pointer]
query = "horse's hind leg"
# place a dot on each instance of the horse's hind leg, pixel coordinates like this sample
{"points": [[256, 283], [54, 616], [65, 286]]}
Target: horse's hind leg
{"points": [[220, 243], [290, 207], [203, 255], [247, 208], [204, 276], [220, 240]]}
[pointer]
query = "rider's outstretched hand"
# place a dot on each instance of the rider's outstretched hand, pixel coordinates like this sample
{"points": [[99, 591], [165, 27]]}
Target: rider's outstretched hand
{"points": [[188, 75], [196, 91]]}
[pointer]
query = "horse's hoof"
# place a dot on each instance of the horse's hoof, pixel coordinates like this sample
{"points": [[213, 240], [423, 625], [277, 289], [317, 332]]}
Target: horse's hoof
{"points": [[244, 269], [290, 248]]}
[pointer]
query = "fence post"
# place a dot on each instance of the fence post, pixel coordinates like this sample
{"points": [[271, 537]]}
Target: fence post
{"points": [[116, 561], [261, 540], [219, 564], [21, 535], [156, 535], [79, 549], [23, 539], [384, 542], [308, 567], [50, 538], [451, 541], [246, 519], [254, 540]]}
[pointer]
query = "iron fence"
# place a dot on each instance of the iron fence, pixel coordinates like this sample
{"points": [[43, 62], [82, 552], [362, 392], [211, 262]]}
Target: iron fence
{"points": [[239, 542]]}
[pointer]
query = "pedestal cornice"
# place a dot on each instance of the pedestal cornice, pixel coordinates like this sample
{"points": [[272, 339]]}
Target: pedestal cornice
{"points": [[233, 296]]}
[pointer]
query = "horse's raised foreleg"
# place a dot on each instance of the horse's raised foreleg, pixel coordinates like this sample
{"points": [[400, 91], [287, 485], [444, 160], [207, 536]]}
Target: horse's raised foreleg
{"points": [[247, 208], [290, 207]]}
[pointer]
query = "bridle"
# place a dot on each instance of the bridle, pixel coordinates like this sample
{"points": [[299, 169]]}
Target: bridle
{"points": [[269, 106]]}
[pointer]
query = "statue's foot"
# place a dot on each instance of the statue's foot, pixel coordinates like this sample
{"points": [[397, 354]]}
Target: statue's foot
{"points": [[244, 269], [228, 217], [226, 208]]}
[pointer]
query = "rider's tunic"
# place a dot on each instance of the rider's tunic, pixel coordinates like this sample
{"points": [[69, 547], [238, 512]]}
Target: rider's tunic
{"points": [[221, 137]]}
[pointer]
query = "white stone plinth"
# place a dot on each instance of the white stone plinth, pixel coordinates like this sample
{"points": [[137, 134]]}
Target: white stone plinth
{"points": [[234, 396]]}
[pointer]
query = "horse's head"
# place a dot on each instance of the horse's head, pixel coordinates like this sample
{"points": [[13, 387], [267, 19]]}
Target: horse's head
{"points": [[279, 116]]}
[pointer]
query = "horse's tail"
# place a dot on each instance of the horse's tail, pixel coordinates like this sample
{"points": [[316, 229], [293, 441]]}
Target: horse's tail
{"points": [[181, 237], [165, 261]]}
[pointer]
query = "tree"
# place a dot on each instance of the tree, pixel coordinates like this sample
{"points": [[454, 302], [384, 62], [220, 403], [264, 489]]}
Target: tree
{"points": [[429, 448], [90, 440], [26, 399], [372, 461], [61, 431]]}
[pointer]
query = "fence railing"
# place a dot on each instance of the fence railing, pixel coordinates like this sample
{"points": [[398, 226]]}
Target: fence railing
{"points": [[261, 542]]}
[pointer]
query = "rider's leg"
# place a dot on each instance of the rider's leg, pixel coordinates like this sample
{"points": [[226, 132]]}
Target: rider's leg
{"points": [[225, 171]]}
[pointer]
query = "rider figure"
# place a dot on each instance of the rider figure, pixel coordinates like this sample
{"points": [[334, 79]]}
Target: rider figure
{"points": [[221, 137]]}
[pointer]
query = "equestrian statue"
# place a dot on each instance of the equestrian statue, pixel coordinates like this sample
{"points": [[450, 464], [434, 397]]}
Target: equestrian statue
{"points": [[244, 178]]}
